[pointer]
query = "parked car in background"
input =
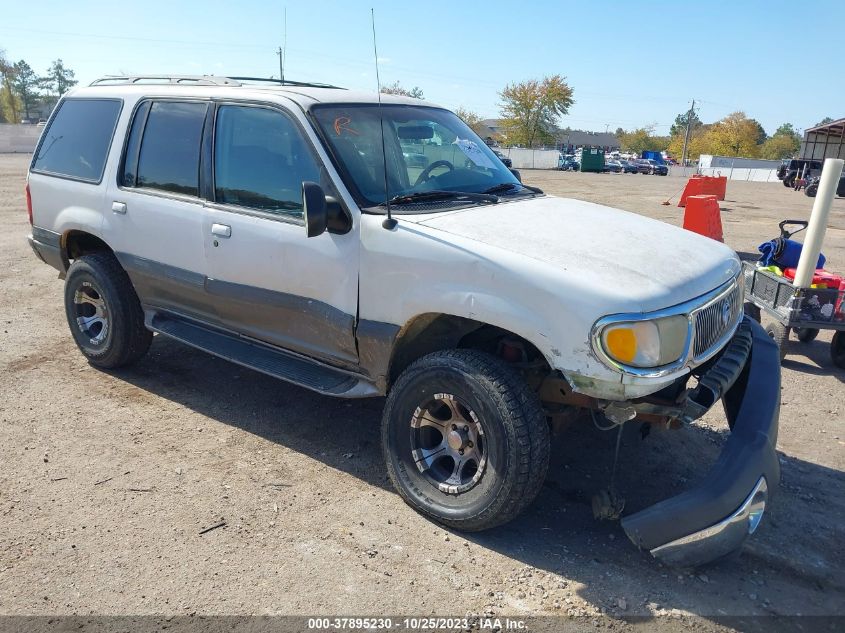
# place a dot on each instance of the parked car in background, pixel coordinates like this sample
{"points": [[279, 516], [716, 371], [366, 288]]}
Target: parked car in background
{"points": [[568, 163], [629, 167], [614, 166], [415, 159], [505, 160], [795, 168], [651, 166]]}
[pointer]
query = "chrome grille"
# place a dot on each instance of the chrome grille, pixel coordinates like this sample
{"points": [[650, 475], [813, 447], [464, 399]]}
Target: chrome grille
{"points": [[714, 321]]}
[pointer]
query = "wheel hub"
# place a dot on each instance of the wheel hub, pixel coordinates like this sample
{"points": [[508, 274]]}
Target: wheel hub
{"points": [[447, 443], [457, 439], [92, 317]]}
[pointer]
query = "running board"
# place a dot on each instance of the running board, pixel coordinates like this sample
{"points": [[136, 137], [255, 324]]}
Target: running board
{"points": [[267, 360]]}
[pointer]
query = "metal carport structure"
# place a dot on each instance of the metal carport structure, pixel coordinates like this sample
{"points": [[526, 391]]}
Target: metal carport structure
{"points": [[824, 141]]}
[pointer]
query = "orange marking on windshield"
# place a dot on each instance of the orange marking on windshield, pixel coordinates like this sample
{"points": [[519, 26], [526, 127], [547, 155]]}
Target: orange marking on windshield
{"points": [[341, 124]]}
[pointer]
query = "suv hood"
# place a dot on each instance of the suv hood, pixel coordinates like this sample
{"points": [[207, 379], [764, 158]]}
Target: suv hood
{"points": [[650, 263]]}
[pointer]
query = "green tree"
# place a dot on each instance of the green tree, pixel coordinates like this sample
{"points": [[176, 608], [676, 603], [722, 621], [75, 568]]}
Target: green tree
{"points": [[9, 101], [25, 84], [735, 135], [474, 121], [531, 109], [824, 121], [642, 140], [396, 89], [761, 133], [680, 124], [784, 143], [59, 79]]}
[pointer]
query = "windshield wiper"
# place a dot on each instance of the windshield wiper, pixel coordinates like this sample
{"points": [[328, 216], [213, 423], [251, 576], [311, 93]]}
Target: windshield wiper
{"points": [[508, 186], [437, 194]]}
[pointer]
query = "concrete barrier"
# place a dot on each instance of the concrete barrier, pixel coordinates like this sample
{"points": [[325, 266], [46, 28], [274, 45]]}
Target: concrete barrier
{"points": [[18, 138]]}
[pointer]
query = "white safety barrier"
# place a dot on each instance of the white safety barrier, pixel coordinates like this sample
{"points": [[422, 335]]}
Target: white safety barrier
{"points": [[18, 138], [741, 173], [531, 158]]}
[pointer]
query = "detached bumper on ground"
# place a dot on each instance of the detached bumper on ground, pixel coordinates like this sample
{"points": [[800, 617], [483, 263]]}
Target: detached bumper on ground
{"points": [[715, 518]]}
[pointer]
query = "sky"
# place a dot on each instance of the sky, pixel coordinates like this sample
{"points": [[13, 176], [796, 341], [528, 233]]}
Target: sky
{"points": [[631, 64]]}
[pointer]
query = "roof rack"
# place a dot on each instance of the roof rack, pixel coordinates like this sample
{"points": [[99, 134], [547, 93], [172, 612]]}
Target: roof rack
{"points": [[184, 80], [284, 82], [201, 80]]}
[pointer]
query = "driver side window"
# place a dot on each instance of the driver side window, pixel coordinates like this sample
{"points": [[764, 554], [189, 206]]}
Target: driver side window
{"points": [[260, 160]]}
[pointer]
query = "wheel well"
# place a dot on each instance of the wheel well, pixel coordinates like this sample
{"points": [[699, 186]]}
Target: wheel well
{"points": [[429, 333], [78, 243]]}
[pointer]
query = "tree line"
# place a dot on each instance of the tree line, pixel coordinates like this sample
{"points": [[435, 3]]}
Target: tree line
{"points": [[530, 111], [23, 91]]}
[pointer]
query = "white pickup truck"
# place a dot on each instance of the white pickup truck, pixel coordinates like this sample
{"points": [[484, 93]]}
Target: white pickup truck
{"points": [[363, 248]]}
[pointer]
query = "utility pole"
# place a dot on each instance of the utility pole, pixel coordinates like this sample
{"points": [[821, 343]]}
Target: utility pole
{"points": [[686, 136], [281, 53]]}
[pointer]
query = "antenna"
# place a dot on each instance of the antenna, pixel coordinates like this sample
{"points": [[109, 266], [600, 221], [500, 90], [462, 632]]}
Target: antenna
{"points": [[389, 223], [281, 51]]}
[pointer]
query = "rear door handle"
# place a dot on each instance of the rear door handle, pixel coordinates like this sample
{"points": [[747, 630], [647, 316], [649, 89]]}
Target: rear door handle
{"points": [[221, 230], [118, 207]]}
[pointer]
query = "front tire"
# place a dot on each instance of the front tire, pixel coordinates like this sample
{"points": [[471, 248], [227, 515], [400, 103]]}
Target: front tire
{"points": [[465, 439], [104, 313], [806, 334]]}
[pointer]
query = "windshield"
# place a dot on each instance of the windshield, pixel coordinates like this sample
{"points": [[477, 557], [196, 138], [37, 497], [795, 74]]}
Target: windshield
{"points": [[428, 150]]}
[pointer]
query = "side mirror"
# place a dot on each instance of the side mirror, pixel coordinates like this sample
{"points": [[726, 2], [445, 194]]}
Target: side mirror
{"points": [[314, 209], [516, 174]]}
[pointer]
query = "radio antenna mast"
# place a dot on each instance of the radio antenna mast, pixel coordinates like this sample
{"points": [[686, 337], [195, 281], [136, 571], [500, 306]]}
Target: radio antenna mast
{"points": [[285, 46], [389, 223]]}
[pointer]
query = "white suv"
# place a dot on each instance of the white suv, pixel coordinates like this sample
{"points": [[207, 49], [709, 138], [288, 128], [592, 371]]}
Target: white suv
{"points": [[363, 249]]}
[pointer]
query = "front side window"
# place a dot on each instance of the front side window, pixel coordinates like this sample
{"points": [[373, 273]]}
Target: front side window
{"points": [[77, 141], [169, 155], [261, 160], [427, 150]]}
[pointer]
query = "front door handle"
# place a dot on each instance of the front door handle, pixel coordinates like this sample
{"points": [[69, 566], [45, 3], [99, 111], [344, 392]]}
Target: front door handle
{"points": [[221, 230], [118, 207]]}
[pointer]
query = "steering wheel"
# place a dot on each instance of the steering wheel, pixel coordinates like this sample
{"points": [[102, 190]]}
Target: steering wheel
{"points": [[426, 173]]}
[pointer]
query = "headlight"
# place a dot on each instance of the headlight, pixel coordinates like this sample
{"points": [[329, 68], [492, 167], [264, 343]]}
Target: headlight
{"points": [[651, 343]]}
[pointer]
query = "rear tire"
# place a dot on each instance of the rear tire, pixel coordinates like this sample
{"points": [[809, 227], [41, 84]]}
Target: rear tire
{"points": [[467, 402], [779, 335], [837, 349], [811, 191], [103, 312]]}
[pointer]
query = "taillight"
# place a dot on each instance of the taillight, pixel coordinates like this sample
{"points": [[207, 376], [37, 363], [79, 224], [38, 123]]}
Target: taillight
{"points": [[28, 203]]}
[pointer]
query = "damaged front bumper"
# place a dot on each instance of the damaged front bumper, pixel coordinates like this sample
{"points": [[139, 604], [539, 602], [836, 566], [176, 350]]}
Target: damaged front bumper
{"points": [[715, 518]]}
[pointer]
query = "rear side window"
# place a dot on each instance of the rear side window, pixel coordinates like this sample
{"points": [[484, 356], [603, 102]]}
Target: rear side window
{"points": [[163, 151], [76, 143]]}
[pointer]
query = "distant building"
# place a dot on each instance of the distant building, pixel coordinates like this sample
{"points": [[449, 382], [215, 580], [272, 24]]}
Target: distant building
{"points": [[567, 140], [570, 140]]}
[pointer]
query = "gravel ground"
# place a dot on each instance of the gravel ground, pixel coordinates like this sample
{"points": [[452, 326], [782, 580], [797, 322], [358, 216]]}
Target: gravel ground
{"points": [[108, 479]]}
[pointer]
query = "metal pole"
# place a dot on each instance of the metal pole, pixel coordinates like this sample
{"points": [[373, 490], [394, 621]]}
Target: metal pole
{"points": [[686, 136], [818, 222]]}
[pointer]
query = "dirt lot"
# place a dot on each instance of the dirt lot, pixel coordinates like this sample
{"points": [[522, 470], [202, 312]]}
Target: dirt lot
{"points": [[108, 479]]}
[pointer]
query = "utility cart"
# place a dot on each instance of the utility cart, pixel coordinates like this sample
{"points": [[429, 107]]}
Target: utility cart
{"points": [[804, 310]]}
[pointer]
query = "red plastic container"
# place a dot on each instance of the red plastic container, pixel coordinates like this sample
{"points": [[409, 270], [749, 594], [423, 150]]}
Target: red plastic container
{"points": [[821, 276]]}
